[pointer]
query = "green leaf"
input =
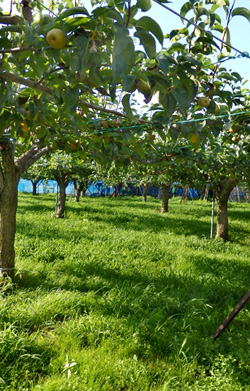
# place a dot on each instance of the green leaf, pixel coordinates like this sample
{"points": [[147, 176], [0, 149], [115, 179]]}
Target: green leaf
{"points": [[70, 97], [185, 129], [78, 56], [128, 81], [176, 47], [37, 64], [73, 11], [169, 103], [242, 11], [226, 75], [147, 41], [184, 9], [126, 106], [218, 27], [163, 62], [181, 95], [123, 53], [94, 76], [144, 5], [190, 87], [208, 40], [109, 13], [151, 25]]}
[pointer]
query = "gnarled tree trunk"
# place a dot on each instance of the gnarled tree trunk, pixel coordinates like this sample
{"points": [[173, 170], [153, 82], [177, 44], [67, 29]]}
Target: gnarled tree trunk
{"points": [[165, 198], [222, 192]]}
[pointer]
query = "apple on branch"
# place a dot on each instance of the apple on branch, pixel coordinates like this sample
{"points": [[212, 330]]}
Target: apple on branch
{"points": [[204, 101], [56, 38]]}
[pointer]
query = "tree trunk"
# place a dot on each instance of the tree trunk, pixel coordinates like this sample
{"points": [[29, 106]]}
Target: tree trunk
{"points": [[145, 193], [165, 198], [10, 172], [63, 182], [34, 183], [78, 185], [77, 195], [8, 206], [222, 193]]}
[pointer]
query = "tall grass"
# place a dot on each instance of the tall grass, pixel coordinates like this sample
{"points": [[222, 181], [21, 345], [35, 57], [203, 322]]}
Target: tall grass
{"points": [[119, 297]]}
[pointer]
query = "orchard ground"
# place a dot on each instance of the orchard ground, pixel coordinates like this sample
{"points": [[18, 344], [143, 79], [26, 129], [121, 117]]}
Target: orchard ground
{"points": [[117, 296]]}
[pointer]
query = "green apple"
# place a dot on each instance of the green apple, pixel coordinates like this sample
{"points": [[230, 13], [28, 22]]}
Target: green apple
{"points": [[143, 87], [203, 101], [56, 38]]}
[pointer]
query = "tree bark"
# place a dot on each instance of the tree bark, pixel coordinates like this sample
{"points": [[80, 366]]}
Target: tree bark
{"points": [[8, 205], [145, 193], [165, 198], [62, 180], [10, 172], [222, 192]]}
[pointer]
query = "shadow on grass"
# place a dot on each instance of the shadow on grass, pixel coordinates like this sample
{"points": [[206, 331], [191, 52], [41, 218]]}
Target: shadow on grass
{"points": [[162, 308]]}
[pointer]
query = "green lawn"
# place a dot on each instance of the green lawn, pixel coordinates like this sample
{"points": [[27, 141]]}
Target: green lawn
{"points": [[117, 296]]}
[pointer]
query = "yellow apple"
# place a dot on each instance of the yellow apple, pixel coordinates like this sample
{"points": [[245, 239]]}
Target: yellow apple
{"points": [[24, 126], [56, 38], [104, 124], [204, 101], [216, 108]]}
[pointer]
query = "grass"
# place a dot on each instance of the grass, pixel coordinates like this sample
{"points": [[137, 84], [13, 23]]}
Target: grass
{"points": [[119, 297]]}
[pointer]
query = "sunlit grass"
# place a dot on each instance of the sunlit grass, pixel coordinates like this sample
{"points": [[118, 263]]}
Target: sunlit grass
{"points": [[117, 296]]}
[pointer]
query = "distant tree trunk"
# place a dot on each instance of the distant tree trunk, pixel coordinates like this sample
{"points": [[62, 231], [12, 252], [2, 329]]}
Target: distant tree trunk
{"points": [[165, 198], [145, 192], [79, 187], [62, 180], [34, 185], [222, 192], [10, 172], [116, 191]]}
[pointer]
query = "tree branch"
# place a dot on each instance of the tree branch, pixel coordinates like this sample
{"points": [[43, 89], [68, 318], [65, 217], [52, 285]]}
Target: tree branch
{"points": [[40, 87], [22, 49], [29, 83], [30, 157], [110, 111], [4, 19]]}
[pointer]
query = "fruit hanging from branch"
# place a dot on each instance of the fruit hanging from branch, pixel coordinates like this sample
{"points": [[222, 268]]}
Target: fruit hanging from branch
{"points": [[204, 101], [56, 38]]}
